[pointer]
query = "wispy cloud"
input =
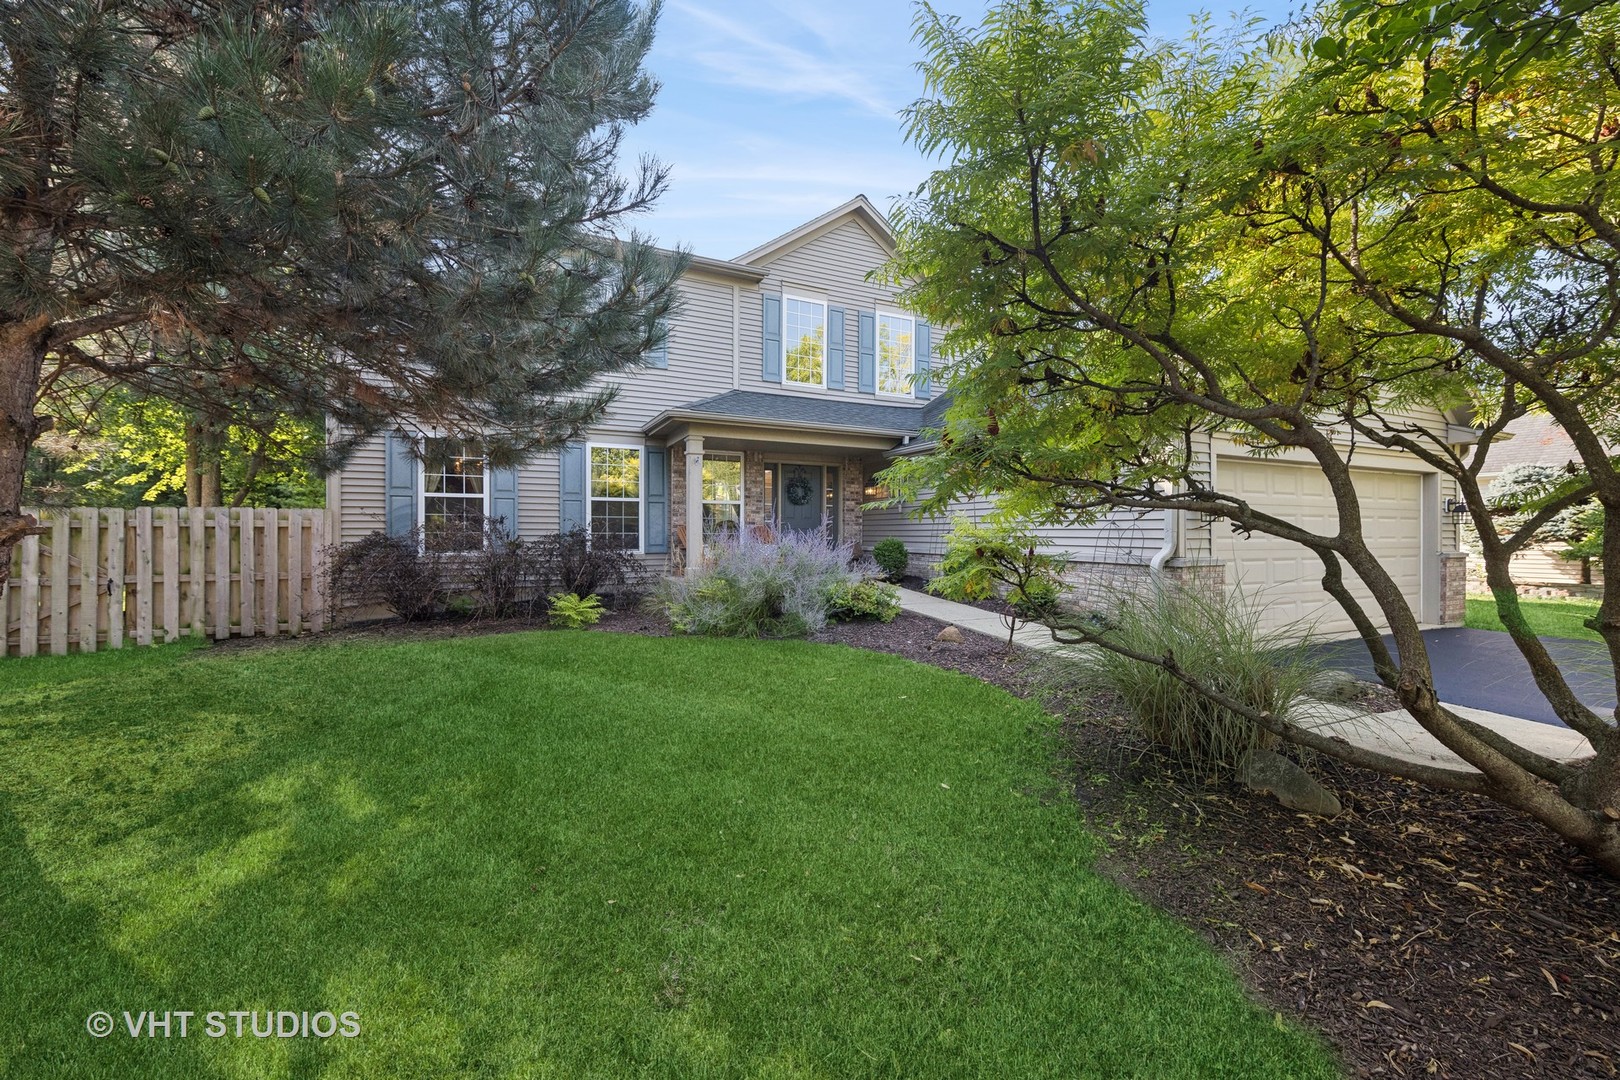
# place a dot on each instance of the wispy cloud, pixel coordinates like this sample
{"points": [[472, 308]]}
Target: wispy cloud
{"points": [[746, 58]]}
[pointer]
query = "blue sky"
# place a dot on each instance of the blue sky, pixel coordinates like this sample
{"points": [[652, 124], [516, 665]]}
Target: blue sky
{"points": [[775, 111]]}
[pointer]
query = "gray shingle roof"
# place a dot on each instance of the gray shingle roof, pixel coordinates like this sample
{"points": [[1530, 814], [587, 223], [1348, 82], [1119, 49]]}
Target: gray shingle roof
{"points": [[817, 411], [1537, 440]]}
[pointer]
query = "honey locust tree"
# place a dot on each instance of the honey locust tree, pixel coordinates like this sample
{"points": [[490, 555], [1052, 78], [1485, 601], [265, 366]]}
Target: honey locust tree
{"points": [[396, 212], [1141, 248]]}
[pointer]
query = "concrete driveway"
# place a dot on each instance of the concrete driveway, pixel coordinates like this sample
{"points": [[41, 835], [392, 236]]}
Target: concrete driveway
{"points": [[1481, 669]]}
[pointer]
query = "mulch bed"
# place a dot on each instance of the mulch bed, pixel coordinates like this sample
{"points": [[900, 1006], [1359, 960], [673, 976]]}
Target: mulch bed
{"points": [[914, 637], [1421, 933]]}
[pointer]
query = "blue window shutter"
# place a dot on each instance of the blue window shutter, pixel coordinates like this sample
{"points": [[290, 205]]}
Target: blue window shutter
{"points": [[835, 348], [655, 499], [503, 495], [868, 352], [571, 463], [402, 474], [921, 385], [771, 360], [658, 356]]}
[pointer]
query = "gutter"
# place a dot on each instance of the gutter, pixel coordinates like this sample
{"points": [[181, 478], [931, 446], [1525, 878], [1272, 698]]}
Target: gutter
{"points": [[681, 415]]}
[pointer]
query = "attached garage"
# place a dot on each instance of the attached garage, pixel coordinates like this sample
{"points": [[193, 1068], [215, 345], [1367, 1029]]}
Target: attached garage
{"points": [[1285, 578]]}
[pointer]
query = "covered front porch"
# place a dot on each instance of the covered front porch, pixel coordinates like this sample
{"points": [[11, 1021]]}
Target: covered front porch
{"points": [[772, 462], [723, 482]]}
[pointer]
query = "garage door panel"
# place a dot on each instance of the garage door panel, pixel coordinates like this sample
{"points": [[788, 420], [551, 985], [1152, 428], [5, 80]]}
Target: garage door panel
{"points": [[1285, 579]]}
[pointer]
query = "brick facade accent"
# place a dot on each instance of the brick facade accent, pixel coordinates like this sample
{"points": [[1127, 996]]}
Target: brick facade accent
{"points": [[1453, 587], [753, 487], [677, 505], [851, 522]]}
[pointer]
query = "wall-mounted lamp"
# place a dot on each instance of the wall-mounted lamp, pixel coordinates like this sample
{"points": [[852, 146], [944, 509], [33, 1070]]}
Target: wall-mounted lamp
{"points": [[875, 491], [1456, 506]]}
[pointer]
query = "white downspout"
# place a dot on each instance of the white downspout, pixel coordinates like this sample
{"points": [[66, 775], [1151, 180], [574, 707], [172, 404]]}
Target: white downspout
{"points": [[1168, 549]]}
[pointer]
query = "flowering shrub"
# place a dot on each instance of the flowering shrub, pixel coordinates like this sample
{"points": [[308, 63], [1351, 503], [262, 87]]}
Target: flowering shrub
{"points": [[748, 587]]}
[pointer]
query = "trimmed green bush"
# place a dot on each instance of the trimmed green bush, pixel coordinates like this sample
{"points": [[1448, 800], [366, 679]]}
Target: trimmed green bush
{"points": [[891, 556], [863, 600]]}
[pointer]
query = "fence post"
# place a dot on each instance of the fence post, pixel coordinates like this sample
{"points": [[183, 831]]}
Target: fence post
{"points": [[89, 578], [197, 595], [169, 518], [117, 578], [295, 572], [61, 560]]}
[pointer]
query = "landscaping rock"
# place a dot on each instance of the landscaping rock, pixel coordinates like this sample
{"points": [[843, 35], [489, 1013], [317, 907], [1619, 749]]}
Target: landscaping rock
{"points": [[950, 634], [1263, 771], [1334, 685]]}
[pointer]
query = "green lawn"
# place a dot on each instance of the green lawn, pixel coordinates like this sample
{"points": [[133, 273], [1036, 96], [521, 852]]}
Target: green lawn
{"points": [[1548, 618], [576, 855]]}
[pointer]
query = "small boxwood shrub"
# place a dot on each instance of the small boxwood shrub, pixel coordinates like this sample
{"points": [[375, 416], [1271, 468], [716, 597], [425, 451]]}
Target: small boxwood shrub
{"points": [[863, 600], [891, 556]]}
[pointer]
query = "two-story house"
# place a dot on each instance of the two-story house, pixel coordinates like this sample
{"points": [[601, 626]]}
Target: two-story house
{"points": [[789, 379]]}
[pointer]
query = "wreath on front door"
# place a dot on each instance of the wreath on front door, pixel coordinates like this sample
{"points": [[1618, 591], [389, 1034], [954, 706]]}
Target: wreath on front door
{"points": [[799, 489]]}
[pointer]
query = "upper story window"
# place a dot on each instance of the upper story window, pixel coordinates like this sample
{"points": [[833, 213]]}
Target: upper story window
{"points": [[804, 341], [896, 352], [454, 495], [615, 490]]}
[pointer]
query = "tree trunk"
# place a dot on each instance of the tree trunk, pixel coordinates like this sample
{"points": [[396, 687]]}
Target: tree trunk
{"points": [[205, 449], [22, 358]]}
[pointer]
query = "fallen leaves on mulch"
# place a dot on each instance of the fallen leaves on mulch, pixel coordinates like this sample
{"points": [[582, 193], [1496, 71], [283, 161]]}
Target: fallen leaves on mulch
{"points": [[1423, 933]]}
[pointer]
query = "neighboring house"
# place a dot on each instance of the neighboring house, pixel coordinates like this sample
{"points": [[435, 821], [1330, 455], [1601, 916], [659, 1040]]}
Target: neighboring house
{"points": [[790, 378], [1536, 439]]}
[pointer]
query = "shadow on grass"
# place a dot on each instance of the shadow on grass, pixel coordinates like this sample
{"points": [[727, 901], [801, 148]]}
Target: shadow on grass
{"points": [[587, 855]]}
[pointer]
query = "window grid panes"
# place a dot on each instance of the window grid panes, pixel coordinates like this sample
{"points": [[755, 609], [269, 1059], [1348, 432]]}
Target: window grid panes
{"points": [[804, 340], [615, 489], [722, 495], [895, 335], [453, 479]]}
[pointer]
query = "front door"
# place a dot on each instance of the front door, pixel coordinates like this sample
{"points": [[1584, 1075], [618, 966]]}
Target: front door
{"points": [[801, 498]]}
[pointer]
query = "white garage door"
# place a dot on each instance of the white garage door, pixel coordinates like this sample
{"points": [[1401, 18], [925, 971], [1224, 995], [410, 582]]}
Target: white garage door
{"points": [[1285, 578]]}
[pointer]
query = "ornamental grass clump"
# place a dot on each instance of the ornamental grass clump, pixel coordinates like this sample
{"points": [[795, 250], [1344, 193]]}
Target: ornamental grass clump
{"points": [[748, 587], [1216, 637]]}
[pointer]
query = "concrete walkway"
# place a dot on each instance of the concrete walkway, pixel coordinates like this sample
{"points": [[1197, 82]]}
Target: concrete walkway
{"points": [[967, 617], [1394, 733]]}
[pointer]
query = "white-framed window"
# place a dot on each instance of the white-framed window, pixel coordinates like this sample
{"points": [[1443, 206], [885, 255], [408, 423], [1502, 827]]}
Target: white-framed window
{"points": [[722, 495], [804, 341], [614, 488], [896, 352], [455, 495]]}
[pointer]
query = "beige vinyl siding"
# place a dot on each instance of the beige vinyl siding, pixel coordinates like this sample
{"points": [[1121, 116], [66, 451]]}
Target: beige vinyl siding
{"points": [[700, 358], [361, 491], [1122, 538], [1541, 565], [833, 267]]}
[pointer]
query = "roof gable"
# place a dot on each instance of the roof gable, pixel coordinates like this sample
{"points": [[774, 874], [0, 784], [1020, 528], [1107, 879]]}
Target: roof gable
{"points": [[859, 209]]}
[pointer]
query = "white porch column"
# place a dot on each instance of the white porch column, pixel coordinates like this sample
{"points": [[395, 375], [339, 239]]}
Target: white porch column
{"points": [[694, 499]]}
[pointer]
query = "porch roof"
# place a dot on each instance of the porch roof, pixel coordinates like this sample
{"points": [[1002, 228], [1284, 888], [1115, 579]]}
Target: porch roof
{"points": [[805, 412]]}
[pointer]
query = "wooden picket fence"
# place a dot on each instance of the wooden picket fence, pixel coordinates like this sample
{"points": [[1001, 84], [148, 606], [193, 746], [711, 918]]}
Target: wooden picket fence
{"points": [[98, 578]]}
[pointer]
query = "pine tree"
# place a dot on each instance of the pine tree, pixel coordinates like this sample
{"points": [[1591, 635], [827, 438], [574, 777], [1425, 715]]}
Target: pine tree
{"points": [[390, 214]]}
